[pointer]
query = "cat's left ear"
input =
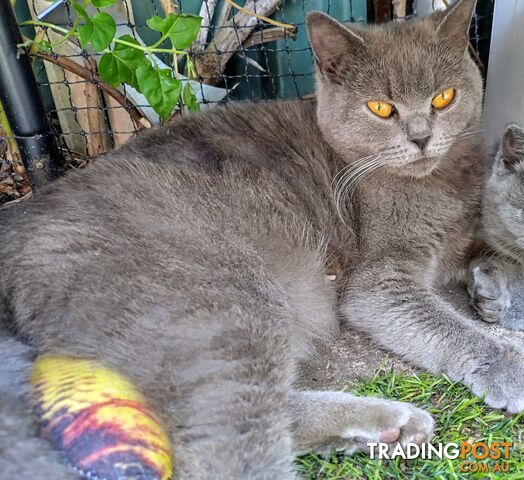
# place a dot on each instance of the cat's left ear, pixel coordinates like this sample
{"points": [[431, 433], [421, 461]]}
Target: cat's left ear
{"points": [[512, 146], [453, 23]]}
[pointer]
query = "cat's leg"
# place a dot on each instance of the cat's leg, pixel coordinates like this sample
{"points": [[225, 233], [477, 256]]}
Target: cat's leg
{"points": [[488, 289], [393, 302], [323, 421], [227, 407], [241, 432]]}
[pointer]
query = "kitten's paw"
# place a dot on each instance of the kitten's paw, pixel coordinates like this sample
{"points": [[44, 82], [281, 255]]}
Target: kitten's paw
{"points": [[488, 293], [501, 379], [388, 422]]}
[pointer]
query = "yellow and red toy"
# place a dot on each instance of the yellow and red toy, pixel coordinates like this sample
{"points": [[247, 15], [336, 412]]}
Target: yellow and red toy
{"points": [[98, 419]]}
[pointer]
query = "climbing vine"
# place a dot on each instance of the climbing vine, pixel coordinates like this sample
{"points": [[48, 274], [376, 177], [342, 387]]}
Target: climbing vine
{"points": [[124, 60]]}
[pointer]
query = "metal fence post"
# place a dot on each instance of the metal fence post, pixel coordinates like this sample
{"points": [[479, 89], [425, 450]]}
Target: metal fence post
{"points": [[23, 104]]}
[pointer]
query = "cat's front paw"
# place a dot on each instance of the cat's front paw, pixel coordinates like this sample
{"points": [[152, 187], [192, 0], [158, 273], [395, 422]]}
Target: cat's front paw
{"points": [[488, 292], [389, 422], [501, 379]]}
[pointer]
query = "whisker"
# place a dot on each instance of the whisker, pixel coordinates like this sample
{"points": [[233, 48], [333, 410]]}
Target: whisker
{"points": [[349, 184], [465, 134], [349, 177], [355, 164], [362, 160], [341, 186]]}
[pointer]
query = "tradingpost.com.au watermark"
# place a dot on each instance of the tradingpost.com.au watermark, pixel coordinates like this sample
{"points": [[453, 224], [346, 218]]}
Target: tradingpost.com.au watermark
{"points": [[476, 457]]}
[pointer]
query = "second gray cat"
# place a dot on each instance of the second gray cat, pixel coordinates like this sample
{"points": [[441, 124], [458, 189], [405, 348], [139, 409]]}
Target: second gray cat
{"points": [[496, 283]]}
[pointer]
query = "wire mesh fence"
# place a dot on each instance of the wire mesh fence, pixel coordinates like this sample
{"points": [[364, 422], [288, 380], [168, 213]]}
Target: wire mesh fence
{"points": [[251, 59]]}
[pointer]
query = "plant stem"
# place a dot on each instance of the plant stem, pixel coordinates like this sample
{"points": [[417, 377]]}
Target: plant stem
{"points": [[37, 23], [4, 123], [149, 49], [175, 64], [16, 159], [162, 39], [70, 33]]}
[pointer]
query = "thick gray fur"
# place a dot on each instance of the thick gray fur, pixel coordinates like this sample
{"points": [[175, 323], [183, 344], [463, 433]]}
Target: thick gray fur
{"points": [[194, 258], [496, 280], [22, 454]]}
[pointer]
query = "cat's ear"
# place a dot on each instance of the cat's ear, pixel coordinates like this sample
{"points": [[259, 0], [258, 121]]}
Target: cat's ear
{"points": [[512, 146], [453, 23], [332, 43]]}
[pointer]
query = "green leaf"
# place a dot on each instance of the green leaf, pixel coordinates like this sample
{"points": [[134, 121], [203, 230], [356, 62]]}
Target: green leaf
{"points": [[81, 11], [86, 32], [99, 31], [190, 98], [185, 31], [162, 25], [119, 65], [103, 3], [180, 29], [161, 90]]}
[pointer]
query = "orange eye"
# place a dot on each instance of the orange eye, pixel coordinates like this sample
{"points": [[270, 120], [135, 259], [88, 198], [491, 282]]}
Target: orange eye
{"points": [[381, 109], [443, 99]]}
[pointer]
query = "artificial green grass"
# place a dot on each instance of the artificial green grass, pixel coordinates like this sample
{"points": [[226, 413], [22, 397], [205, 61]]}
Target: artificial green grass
{"points": [[459, 417]]}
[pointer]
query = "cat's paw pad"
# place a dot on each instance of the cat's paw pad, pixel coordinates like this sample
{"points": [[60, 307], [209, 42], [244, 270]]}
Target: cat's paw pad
{"points": [[417, 427], [489, 296], [98, 419]]}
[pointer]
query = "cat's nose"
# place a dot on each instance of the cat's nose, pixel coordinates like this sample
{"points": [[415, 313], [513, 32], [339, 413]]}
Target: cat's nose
{"points": [[418, 131], [421, 142]]}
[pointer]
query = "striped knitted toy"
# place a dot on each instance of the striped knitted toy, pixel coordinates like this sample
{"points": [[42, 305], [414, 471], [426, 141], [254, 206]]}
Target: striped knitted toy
{"points": [[99, 421]]}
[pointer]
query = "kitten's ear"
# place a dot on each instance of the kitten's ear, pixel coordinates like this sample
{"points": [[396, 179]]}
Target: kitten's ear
{"points": [[512, 145], [453, 23], [331, 42]]}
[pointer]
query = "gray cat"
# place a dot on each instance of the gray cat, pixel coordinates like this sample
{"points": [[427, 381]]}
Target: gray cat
{"points": [[194, 259], [496, 282]]}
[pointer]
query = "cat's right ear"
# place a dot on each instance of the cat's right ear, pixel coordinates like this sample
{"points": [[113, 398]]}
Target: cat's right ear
{"points": [[512, 146], [331, 42]]}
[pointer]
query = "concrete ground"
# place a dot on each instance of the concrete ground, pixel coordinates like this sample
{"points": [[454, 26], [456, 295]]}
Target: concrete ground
{"points": [[351, 357], [354, 356]]}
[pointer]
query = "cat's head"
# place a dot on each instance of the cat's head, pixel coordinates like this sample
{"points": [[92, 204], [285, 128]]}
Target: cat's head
{"points": [[504, 197], [405, 91]]}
